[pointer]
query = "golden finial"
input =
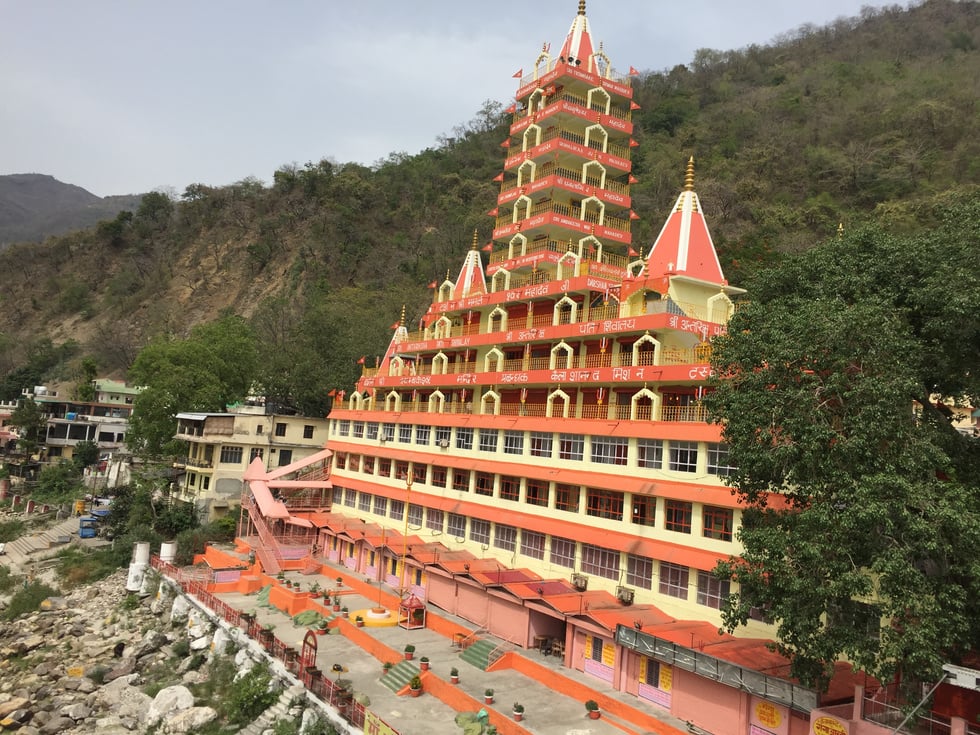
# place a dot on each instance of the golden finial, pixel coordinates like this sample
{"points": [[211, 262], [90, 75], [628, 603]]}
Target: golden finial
{"points": [[570, 246], [581, 7], [689, 175], [402, 322], [840, 229], [447, 274], [474, 239]]}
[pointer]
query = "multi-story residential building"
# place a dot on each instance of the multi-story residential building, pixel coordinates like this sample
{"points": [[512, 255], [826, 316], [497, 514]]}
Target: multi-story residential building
{"points": [[221, 445]]}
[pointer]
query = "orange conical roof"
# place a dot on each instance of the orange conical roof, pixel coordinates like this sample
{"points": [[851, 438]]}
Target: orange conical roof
{"points": [[578, 48], [471, 281], [684, 245]]}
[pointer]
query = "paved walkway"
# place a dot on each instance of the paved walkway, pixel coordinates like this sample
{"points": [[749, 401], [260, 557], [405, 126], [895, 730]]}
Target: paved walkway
{"points": [[552, 708]]}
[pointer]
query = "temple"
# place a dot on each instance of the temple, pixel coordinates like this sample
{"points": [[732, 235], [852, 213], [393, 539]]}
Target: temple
{"points": [[532, 455]]}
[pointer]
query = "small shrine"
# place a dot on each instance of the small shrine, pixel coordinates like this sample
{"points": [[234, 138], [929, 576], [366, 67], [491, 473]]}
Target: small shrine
{"points": [[411, 613]]}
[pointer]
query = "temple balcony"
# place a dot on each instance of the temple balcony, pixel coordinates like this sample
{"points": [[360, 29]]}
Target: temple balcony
{"points": [[558, 209], [545, 244], [616, 111]]}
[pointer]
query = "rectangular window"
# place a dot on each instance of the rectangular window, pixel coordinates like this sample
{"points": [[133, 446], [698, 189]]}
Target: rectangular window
{"points": [[371, 430], [650, 453], [457, 526], [338, 495], [434, 519], [480, 531], [230, 455], [397, 510], [510, 488], [422, 434], [537, 493], [438, 476], [609, 450], [384, 467], [258, 429], [712, 592], [599, 561], [677, 516], [380, 505], [415, 515], [532, 544], [673, 580], [571, 446], [718, 523], [340, 460], [488, 440], [718, 460], [258, 452], [504, 537], [683, 456], [443, 435], [285, 457], [651, 674], [387, 432], [350, 498], [405, 433], [542, 444], [418, 472], [639, 571], [344, 427], [307, 431], [567, 497], [513, 442], [205, 482], [364, 502], [358, 429], [464, 438], [461, 482], [562, 552], [644, 510], [280, 430], [484, 484], [354, 463], [604, 504], [368, 465]]}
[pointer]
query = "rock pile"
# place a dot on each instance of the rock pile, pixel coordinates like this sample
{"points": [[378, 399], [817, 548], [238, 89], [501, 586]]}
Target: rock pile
{"points": [[82, 663]]}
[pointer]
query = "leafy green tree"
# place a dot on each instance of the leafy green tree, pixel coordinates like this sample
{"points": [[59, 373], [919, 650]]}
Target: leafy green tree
{"points": [[59, 483], [85, 454], [212, 368], [31, 421], [85, 387], [828, 386]]}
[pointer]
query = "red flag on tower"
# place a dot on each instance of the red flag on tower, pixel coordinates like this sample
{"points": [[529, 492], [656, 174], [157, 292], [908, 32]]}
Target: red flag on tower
{"points": [[493, 212], [433, 284], [505, 144], [499, 177], [332, 393], [633, 143], [634, 106], [396, 325], [633, 179], [488, 247], [519, 73], [361, 361], [634, 215], [634, 72], [632, 252]]}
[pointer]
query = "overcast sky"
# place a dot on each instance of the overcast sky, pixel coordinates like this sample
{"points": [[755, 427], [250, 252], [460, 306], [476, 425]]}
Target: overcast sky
{"points": [[124, 96]]}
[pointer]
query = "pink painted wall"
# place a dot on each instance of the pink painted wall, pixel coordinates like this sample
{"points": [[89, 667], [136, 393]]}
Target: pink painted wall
{"points": [[472, 604], [441, 591], [709, 705]]}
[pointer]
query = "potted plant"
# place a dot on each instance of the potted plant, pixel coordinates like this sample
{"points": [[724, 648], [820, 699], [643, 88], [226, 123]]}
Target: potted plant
{"points": [[488, 696], [409, 652], [518, 711], [336, 603], [386, 667], [592, 707], [454, 675], [340, 582], [323, 627], [315, 589], [424, 663], [344, 611], [415, 685], [359, 621]]}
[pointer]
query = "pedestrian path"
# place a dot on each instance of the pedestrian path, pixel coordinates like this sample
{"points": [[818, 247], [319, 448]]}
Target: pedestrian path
{"points": [[552, 694], [21, 554]]}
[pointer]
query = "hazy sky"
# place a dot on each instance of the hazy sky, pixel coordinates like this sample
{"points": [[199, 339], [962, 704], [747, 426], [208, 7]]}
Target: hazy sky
{"points": [[125, 96]]}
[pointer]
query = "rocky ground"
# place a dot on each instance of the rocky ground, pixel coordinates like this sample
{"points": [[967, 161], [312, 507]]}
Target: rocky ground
{"points": [[102, 660]]}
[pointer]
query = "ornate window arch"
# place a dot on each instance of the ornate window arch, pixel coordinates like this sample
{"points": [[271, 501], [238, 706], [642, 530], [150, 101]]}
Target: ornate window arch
{"points": [[563, 399], [393, 401], [568, 261], [500, 280], [720, 308], [440, 364], [443, 328], [532, 128], [638, 411], [527, 172], [493, 361], [598, 134], [396, 366], [638, 350], [518, 238], [594, 173], [498, 315], [561, 349], [599, 100], [490, 397], [437, 402], [559, 308]]}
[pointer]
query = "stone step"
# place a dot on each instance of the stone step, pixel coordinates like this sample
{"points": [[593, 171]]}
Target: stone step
{"points": [[478, 654], [399, 675]]}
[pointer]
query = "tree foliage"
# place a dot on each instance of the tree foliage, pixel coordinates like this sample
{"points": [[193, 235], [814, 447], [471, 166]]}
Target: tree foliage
{"points": [[213, 367], [827, 387], [31, 421]]}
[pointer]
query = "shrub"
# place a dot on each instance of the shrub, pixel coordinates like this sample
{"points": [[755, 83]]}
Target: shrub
{"points": [[28, 600], [251, 695], [181, 648], [415, 682], [131, 602], [591, 705]]}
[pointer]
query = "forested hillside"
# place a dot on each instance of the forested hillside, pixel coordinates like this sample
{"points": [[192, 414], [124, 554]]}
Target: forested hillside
{"points": [[872, 118]]}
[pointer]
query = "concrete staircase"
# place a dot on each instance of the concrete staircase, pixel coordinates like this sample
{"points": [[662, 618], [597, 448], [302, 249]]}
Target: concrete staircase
{"points": [[21, 553], [478, 653], [278, 711], [399, 675]]}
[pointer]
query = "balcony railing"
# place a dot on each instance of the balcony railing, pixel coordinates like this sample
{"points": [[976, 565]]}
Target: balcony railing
{"points": [[606, 411]]}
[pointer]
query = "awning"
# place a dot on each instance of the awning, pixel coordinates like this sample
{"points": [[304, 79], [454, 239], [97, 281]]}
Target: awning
{"points": [[301, 522], [269, 507]]}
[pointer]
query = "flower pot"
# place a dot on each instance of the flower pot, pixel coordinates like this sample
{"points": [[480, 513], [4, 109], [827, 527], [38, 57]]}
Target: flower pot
{"points": [[359, 623], [415, 692], [454, 680], [518, 716], [336, 608], [409, 655], [488, 700], [594, 714], [424, 665]]}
